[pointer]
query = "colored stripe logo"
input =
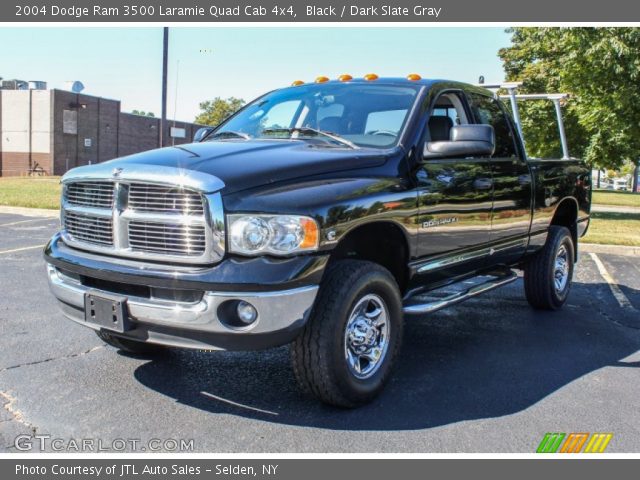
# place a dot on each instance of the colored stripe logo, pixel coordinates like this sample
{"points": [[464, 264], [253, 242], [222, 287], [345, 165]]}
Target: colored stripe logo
{"points": [[574, 443], [598, 442]]}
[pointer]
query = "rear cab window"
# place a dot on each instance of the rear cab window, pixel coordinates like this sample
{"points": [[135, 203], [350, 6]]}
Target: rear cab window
{"points": [[488, 111]]}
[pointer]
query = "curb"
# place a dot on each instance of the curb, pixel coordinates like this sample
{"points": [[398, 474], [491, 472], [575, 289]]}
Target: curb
{"points": [[600, 208], [623, 250], [30, 212]]}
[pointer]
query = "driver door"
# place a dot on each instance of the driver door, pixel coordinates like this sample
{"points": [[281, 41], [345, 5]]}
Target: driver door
{"points": [[455, 197]]}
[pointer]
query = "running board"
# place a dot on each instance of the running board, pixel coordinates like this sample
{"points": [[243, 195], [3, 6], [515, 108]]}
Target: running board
{"points": [[411, 307]]}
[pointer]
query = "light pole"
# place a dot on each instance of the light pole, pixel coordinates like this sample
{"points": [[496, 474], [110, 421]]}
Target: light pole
{"points": [[165, 58]]}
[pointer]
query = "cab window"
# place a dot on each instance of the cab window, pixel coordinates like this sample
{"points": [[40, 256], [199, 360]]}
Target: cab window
{"points": [[369, 115], [281, 115], [447, 111], [488, 111], [389, 121]]}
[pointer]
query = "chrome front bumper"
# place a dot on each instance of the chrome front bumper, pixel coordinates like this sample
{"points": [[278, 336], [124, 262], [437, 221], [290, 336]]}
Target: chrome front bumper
{"points": [[196, 325]]}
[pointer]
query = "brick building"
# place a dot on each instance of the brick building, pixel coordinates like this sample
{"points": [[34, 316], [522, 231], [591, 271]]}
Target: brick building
{"points": [[56, 130]]}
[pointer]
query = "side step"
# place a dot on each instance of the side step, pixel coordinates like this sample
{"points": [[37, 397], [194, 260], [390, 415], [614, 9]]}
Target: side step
{"points": [[428, 302]]}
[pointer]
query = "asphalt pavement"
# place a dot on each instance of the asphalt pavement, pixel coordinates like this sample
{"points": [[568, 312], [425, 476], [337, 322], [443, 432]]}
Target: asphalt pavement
{"points": [[488, 375]]}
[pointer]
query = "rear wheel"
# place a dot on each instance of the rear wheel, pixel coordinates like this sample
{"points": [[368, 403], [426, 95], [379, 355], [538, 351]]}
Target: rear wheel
{"points": [[345, 353], [548, 275], [130, 346]]}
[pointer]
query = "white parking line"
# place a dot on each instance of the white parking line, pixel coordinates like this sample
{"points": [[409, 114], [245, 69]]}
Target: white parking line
{"points": [[615, 289], [236, 404], [25, 221], [14, 250]]}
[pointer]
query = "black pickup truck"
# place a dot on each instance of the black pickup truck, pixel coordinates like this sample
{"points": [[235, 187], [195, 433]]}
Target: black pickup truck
{"points": [[321, 215]]}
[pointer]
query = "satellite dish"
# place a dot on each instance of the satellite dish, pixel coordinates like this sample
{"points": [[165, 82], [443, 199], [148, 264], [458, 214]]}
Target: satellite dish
{"points": [[75, 86]]}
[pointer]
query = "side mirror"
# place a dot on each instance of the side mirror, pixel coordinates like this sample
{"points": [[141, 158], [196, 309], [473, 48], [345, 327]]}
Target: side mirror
{"points": [[465, 141], [201, 133]]}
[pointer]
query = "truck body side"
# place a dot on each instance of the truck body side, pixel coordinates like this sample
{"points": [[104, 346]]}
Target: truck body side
{"points": [[429, 221]]}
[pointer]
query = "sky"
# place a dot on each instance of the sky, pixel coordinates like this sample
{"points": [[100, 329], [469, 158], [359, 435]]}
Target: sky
{"points": [[126, 63]]}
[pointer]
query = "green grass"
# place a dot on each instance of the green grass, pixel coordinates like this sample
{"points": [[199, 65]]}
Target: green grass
{"points": [[614, 229], [40, 192], [607, 197]]}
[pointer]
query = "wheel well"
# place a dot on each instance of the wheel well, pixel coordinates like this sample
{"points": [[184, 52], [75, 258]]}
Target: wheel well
{"points": [[381, 242], [566, 215]]}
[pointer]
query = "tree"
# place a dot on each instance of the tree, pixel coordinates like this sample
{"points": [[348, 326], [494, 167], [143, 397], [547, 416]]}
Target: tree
{"points": [[600, 69], [627, 168], [142, 113], [214, 112]]}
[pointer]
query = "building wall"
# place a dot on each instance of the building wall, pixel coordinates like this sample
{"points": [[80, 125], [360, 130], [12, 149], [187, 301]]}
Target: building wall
{"points": [[137, 134], [143, 133], [95, 136], [59, 130], [25, 131]]}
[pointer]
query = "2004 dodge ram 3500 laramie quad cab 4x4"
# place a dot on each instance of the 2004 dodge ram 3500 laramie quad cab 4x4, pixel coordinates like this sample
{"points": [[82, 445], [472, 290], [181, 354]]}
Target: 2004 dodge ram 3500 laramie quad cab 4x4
{"points": [[320, 215]]}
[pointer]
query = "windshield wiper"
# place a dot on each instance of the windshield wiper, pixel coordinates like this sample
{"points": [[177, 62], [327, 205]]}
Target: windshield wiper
{"points": [[311, 131], [229, 133]]}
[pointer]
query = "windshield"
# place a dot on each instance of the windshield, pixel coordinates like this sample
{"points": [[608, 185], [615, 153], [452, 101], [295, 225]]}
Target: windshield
{"points": [[341, 115]]}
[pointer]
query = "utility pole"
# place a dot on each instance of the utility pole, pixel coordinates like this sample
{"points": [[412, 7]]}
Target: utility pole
{"points": [[175, 103], [165, 58]]}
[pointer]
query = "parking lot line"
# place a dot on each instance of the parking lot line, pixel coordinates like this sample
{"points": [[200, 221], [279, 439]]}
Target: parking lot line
{"points": [[14, 250], [24, 221], [236, 404], [615, 289]]}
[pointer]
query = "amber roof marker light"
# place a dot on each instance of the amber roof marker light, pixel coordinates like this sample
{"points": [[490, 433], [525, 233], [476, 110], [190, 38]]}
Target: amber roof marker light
{"points": [[369, 77], [322, 79], [295, 83], [345, 77], [414, 77]]}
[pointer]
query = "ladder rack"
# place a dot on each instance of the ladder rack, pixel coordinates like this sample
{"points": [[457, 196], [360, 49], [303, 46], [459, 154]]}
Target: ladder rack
{"points": [[513, 96]]}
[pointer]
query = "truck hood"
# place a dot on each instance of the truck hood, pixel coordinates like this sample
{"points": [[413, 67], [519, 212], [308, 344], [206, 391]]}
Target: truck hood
{"points": [[238, 164]]}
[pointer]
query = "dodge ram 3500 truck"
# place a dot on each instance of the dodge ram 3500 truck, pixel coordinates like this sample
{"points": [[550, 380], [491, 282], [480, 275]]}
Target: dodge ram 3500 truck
{"points": [[322, 215]]}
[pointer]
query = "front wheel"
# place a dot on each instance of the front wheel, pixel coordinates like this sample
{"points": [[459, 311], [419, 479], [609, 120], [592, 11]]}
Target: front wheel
{"points": [[345, 353], [548, 275]]}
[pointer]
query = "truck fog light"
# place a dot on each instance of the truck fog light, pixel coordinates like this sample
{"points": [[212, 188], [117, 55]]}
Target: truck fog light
{"points": [[247, 313]]}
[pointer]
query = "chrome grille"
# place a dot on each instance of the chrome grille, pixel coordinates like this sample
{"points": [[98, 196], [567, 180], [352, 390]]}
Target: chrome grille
{"points": [[88, 228], [172, 239], [146, 197], [154, 221], [90, 194]]}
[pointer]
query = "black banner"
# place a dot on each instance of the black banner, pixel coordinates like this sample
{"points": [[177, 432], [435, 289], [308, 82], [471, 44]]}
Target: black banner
{"points": [[318, 11], [315, 469]]}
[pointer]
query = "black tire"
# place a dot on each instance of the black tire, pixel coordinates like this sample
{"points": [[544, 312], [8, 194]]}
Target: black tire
{"points": [[540, 272], [318, 354], [130, 346]]}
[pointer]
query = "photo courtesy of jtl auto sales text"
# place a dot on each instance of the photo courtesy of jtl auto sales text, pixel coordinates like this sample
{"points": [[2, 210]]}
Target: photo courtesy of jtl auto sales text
{"points": [[284, 240]]}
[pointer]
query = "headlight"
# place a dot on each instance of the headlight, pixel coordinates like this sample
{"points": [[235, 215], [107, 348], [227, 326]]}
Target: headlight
{"points": [[271, 234]]}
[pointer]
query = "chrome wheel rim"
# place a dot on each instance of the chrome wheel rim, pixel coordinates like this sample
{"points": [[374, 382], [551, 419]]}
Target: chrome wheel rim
{"points": [[366, 337], [561, 269]]}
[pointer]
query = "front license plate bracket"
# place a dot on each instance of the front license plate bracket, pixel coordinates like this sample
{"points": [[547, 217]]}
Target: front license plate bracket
{"points": [[107, 311]]}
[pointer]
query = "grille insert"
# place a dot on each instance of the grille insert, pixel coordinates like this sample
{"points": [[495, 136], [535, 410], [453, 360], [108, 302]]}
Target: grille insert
{"points": [[88, 228], [169, 239], [90, 194], [164, 199], [135, 219]]}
